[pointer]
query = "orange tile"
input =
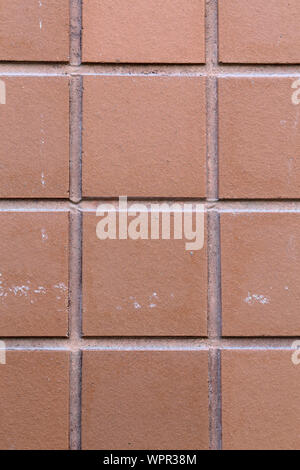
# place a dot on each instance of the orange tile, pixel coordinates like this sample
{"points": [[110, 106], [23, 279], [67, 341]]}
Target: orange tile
{"points": [[144, 31], [34, 30], [144, 136], [34, 401], [259, 31], [142, 287], [260, 271], [145, 400], [260, 400], [259, 138], [34, 144], [34, 274]]}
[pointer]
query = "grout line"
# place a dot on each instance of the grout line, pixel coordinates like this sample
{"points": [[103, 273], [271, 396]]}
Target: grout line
{"points": [[254, 205], [151, 343], [75, 264], [217, 207], [75, 327], [212, 99], [211, 34], [75, 32], [214, 298], [75, 399], [218, 413], [212, 138], [218, 70], [75, 138], [215, 424], [75, 260], [214, 276]]}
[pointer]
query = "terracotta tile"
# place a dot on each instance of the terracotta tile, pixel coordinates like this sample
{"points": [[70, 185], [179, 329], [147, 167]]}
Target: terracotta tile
{"points": [[144, 31], [145, 400], [144, 136], [260, 400], [259, 31], [259, 138], [34, 30], [260, 272], [34, 274], [34, 401], [34, 145], [142, 287]]}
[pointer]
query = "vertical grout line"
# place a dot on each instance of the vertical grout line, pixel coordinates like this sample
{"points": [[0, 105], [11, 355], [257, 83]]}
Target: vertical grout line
{"points": [[211, 34], [214, 284], [214, 365], [212, 189], [75, 261], [212, 98], [214, 275], [75, 327], [75, 31], [75, 264], [75, 137], [75, 400], [214, 325]]}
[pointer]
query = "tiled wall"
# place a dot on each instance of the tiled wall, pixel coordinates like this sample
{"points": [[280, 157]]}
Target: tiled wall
{"points": [[159, 100]]}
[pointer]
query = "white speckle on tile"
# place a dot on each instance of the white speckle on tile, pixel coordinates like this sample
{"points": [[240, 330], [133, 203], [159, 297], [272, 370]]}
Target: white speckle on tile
{"points": [[27, 290], [256, 298], [41, 22], [62, 286], [137, 305], [44, 234], [43, 181], [40, 290], [286, 288], [153, 296], [19, 290]]}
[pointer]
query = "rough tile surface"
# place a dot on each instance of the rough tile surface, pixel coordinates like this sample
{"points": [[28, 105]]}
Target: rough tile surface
{"points": [[144, 31], [34, 145], [34, 401], [145, 400], [260, 272], [260, 400], [259, 31], [144, 136], [34, 274], [34, 30], [142, 287], [259, 137]]}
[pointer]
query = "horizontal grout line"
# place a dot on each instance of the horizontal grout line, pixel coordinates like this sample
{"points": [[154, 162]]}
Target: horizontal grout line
{"points": [[257, 205], [220, 70], [62, 205], [36, 206], [141, 199], [151, 343]]}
